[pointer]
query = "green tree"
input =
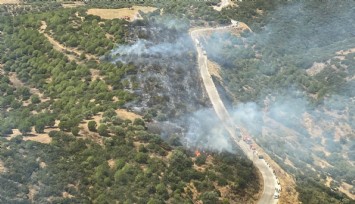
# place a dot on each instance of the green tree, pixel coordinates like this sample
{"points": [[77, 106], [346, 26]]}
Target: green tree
{"points": [[35, 99], [39, 126], [141, 157], [139, 121], [109, 113], [92, 125], [209, 197], [102, 130], [75, 130], [200, 160], [180, 160], [66, 125], [161, 190], [24, 127]]}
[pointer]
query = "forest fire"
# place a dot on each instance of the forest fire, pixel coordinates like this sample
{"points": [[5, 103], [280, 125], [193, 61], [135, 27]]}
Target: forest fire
{"points": [[197, 153]]}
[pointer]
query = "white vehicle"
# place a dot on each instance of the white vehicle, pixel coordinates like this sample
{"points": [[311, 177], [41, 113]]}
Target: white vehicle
{"points": [[204, 52], [197, 42]]}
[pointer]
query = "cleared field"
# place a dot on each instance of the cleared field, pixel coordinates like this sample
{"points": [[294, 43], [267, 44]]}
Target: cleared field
{"points": [[124, 114], [9, 1], [42, 138], [132, 13], [73, 5]]}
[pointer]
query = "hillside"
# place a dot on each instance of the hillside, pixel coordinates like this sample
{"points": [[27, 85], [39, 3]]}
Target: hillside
{"points": [[103, 102], [291, 82], [83, 120]]}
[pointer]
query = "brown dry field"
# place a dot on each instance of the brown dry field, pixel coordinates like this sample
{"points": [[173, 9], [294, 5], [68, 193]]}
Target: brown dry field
{"points": [[72, 5], [9, 1], [121, 13], [124, 114]]}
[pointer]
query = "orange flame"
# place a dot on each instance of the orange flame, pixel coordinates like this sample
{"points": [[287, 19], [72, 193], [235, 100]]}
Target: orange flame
{"points": [[197, 153]]}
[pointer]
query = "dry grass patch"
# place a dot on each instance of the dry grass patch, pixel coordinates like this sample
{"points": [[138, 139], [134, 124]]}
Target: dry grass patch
{"points": [[9, 1], [345, 188], [15, 132], [132, 13], [111, 163], [38, 137], [95, 74], [86, 133], [124, 114], [42, 138], [315, 69], [214, 69], [73, 4]]}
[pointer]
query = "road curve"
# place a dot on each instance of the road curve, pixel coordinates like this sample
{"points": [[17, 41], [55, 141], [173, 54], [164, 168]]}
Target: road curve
{"points": [[270, 181]]}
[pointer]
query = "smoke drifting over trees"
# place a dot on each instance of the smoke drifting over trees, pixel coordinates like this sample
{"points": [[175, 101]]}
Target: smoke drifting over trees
{"points": [[267, 71], [297, 111]]}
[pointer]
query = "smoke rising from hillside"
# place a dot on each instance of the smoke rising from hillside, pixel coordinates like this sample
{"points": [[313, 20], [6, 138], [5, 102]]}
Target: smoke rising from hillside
{"points": [[206, 132], [148, 48], [163, 38], [288, 119], [279, 116]]}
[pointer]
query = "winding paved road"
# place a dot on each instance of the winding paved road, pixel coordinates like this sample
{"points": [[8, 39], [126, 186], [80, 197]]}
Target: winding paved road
{"points": [[270, 181]]}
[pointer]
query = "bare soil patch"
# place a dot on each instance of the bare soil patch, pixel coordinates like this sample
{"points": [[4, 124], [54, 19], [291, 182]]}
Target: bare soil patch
{"points": [[224, 3], [84, 130], [131, 13], [345, 52], [67, 195], [14, 80], [73, 4], [345, 188], [315, 69], [214, 69], [124, 114], [15, 132], [39, 137], [328, 180], [111, 163], [244, 26], [32, 191], [95, 74], [9, 1]]}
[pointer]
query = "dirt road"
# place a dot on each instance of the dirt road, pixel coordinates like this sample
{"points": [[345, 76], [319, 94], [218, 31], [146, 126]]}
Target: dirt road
{"points": [[270, 181]]}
